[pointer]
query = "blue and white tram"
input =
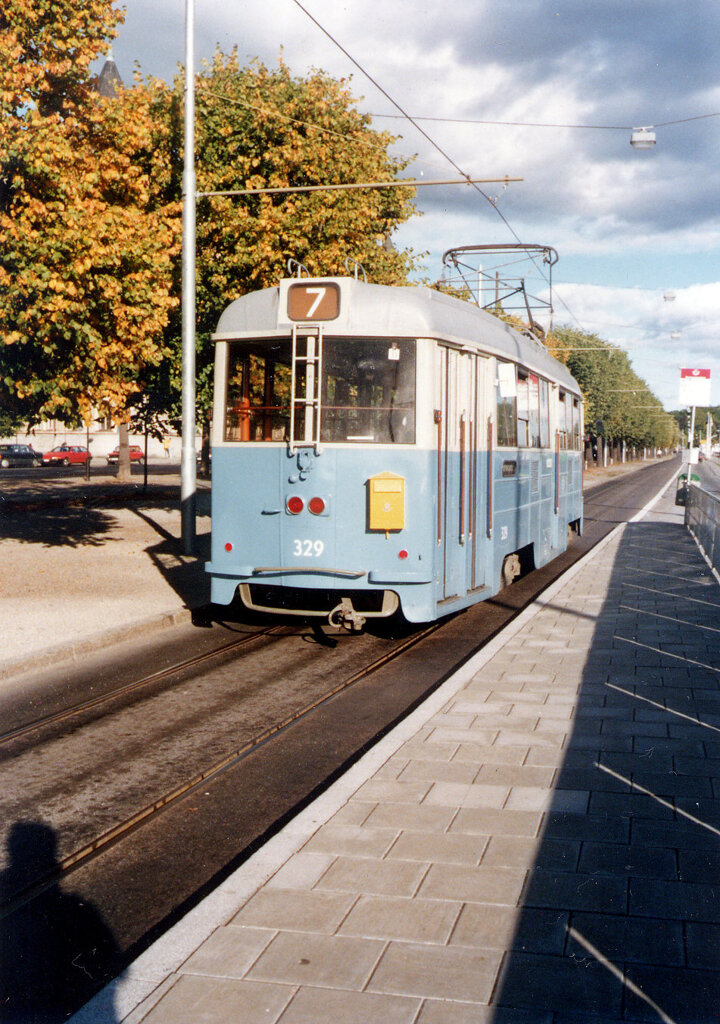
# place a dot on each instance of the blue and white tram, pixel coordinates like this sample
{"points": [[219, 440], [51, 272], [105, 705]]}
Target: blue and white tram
{"points": [[377, 448]]}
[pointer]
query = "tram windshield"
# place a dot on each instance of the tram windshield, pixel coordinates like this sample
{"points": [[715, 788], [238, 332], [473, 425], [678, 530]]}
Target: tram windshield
{"points": [[367, 392]]}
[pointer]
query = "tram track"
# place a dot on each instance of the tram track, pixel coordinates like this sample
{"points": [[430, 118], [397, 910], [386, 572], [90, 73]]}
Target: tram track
{"points": [[72, 861], [126, 689]]}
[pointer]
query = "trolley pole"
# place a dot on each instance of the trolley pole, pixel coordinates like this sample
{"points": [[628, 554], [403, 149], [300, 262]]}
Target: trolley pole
{"points": [[188, 469]]}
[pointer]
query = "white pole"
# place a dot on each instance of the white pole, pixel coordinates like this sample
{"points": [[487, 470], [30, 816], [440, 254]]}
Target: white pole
{"points": [[188, 478]]}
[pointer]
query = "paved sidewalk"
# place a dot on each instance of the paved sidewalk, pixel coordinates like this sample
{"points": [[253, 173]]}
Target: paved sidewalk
{"points": [[539, 842], [87, 565]]}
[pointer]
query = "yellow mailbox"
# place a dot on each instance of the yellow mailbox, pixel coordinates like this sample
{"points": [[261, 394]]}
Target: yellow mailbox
{"points": [[386, 506]]}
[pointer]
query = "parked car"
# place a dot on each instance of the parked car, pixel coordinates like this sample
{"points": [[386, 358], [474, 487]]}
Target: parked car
{"points": [[19, 455], [68, 455], [136, 454]]}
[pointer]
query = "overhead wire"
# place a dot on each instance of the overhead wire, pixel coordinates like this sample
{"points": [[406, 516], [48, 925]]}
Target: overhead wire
{"points": [[428, 138], [542, 124]]}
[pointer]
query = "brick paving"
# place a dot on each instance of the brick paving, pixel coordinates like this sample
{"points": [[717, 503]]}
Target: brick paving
{"points": [[543, 848]]}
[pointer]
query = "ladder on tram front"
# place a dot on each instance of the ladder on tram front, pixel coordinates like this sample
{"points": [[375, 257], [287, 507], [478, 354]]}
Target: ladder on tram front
{"points": [[305, 387]]}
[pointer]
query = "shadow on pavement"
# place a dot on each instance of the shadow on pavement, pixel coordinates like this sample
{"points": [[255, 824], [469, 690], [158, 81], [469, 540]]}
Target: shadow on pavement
{"points": [[55, 950], [620, 917], [59, 527]]}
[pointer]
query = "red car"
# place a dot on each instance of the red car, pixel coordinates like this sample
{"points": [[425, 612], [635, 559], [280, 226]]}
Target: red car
{"points": [[68, 455], [136, 454]]}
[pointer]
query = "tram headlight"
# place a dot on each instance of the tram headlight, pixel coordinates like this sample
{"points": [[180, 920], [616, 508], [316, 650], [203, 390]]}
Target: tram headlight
{"points": [[295, 505]]}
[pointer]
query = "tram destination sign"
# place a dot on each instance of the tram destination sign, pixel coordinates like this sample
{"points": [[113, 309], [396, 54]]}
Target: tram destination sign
{"points": [[313, 301]]}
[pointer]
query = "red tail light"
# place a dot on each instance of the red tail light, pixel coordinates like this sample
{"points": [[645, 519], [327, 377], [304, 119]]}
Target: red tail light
{"points": [[316, 506], [295, 505]]}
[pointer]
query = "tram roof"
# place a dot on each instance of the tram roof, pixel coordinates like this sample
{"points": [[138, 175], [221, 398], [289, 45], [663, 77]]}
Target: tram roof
{"points": [[402, 312]]}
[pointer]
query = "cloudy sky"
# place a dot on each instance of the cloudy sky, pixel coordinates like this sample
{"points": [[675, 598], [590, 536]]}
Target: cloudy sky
{"points": [[567, 79]]}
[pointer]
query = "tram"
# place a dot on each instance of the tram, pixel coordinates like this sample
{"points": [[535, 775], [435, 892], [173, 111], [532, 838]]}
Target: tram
{"points": [[384, 449]]}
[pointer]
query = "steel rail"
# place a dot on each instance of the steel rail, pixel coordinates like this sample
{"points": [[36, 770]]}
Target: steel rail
{"points": [[121, 691]]}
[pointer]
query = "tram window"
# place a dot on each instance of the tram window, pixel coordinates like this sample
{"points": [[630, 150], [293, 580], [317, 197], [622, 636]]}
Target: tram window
{"points": [[533, 411], [506, 405], [258, 391], [544, 414], [576, 424], [561, 420], [523, 411], [368, 391]]}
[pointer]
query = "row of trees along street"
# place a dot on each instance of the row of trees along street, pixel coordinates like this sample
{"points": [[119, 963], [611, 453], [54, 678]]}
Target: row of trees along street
{"points": [[619, 405], [90, 225]]}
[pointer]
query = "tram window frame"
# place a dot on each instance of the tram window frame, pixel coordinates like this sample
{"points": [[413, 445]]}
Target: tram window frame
{"points": [[267, 418], [374, 408], [506, 405], [544, 413], [258, 392], [576, 424], [562, 419], [530, 432]]}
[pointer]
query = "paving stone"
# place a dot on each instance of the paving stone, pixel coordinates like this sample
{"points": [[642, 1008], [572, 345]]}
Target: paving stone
{"points": [[410, 920], [393, 791], [364, 875], [195, 1000], [677, 834], [519, 775], [451, 794], [473, 884], [528, 798], [446, 1011], [229, 952], [427, 818], [620, 938], [570, 890], [328, 961], [486, 821], [439, 849], [529, 929], [302, 871], [477, 754], [686, 996], [584, 827], [320, 1005], [682, 901], [351, 840], [439, 771], [436, 972], [703, 945], [560, 984], [294, 911], [619, 860], [700, 865]]}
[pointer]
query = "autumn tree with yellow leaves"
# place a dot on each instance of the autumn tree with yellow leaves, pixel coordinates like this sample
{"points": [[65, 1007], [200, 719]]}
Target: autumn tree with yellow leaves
{"points": [[87, 243]]}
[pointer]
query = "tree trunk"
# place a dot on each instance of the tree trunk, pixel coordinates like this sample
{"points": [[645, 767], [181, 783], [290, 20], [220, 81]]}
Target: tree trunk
{"points": [[124, 454]]}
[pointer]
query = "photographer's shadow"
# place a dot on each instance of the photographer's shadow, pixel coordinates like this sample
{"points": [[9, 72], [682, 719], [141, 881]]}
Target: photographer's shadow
{"points": [[55, 950]]}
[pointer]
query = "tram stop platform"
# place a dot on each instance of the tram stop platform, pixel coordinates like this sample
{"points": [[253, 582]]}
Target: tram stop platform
{"points": [[539, 842]]}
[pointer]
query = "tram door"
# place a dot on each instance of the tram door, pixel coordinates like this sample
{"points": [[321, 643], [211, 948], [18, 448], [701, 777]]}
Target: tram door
{"points": [[461, 482]]}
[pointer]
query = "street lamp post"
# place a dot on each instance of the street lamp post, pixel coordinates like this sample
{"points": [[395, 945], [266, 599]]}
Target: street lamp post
{"points": [[188, 471]]}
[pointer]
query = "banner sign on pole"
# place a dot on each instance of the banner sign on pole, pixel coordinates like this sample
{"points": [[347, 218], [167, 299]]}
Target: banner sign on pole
{"points": [[694, 387]]}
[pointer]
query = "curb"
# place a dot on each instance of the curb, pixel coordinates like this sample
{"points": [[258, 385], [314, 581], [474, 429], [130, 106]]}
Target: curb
{"points": [[74, 650]]}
